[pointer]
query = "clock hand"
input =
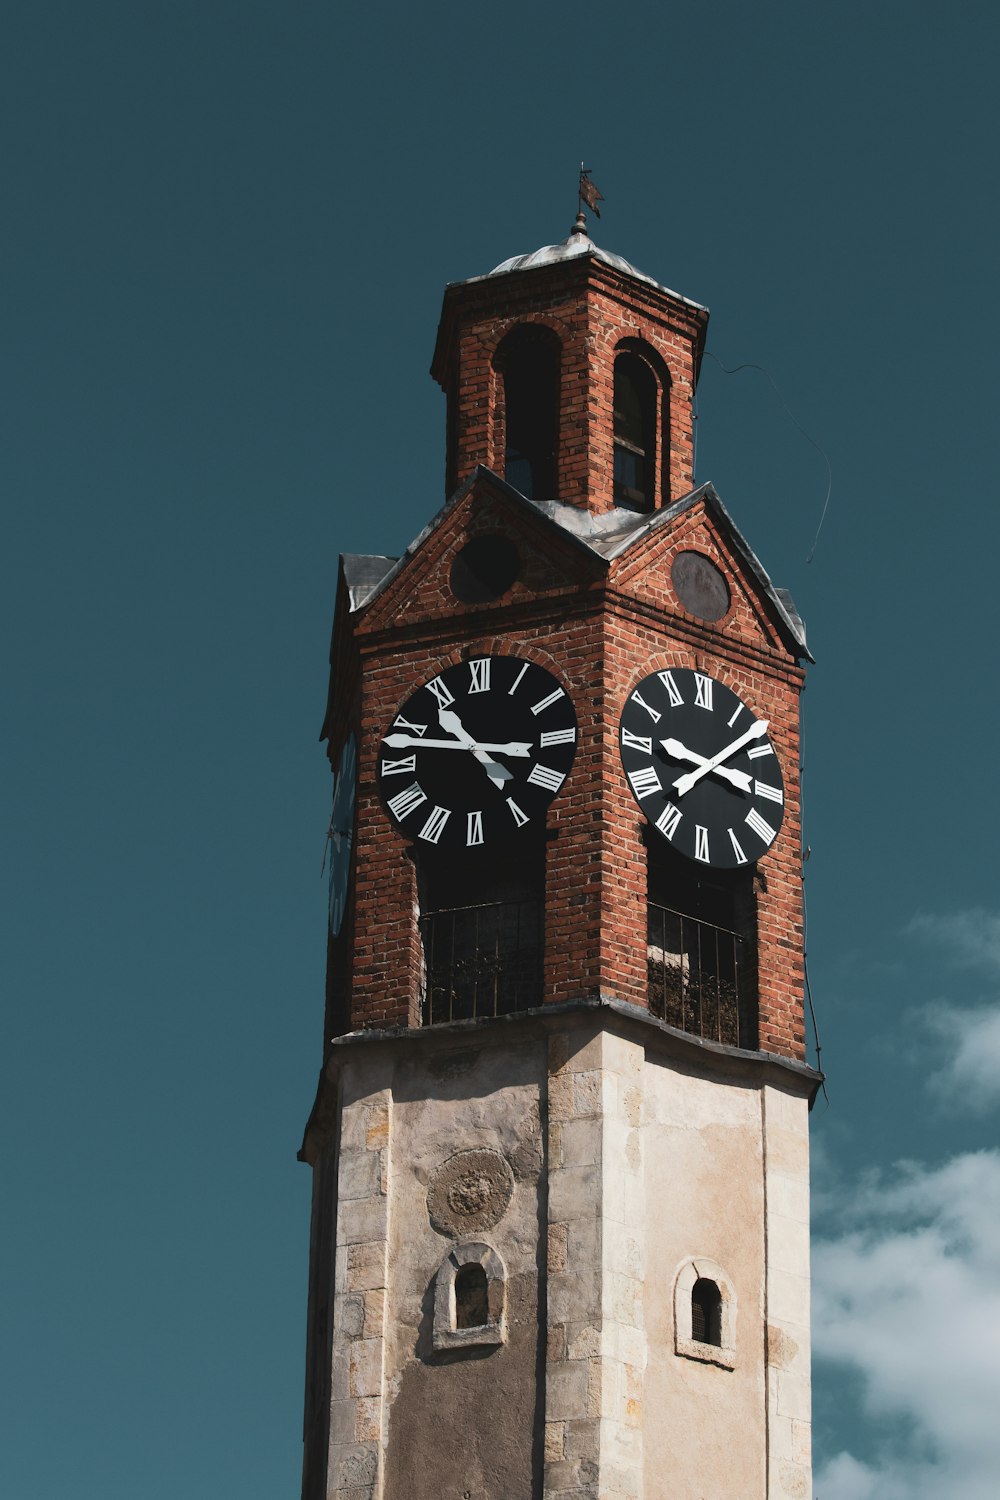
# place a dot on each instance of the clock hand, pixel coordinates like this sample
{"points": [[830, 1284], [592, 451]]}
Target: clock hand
{"points": [[691, 778], [497, 773], [739, 779], [521, 748]]}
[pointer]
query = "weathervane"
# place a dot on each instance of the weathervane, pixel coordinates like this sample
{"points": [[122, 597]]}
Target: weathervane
{"points": [[590, 194]]}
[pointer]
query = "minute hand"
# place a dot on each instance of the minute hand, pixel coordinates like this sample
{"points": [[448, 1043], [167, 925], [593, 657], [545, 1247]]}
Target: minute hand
{"points": [[684, 783], [520, 748]]}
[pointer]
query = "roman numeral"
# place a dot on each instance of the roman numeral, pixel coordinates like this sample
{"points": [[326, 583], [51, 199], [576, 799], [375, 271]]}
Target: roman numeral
{"points": [[757, 750], [434, 827], [736, 713], [702, 691], [673, 692], [474, 828], [557, 737], [480, 675], [545, 777], [441, 693], [653, 713], [741, 858], [668, 820], [643, 742], [543, 703], [400, 723], [701, 843], [771, 793], [761, 829], [399, 767], [405, 801], [519, 817], [645, 782], [517, 681]]}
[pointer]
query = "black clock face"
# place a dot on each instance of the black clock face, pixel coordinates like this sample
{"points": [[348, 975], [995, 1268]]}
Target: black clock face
{"points": [[477, 753], [702, 768]]}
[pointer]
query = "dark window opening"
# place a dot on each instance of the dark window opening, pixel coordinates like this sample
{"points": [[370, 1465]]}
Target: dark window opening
{"points": [[472, 1309], [706, 1313], [701, 948], [528, 362], [635, 433], [481, 931]]}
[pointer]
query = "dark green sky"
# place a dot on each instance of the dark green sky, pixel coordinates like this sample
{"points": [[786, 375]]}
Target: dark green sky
{"points": [[226, 232]]}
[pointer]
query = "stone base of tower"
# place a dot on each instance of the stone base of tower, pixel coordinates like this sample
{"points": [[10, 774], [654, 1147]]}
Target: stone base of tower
{"points": [[558, 1254]]}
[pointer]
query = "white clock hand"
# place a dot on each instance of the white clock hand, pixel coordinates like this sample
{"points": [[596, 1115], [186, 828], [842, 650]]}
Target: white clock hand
{"points": [[520, 748], [684, 783], [497, 773], [739, 779]]}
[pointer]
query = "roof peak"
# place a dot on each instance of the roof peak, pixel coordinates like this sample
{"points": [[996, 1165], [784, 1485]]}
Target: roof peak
{"points": [[576, 244]]}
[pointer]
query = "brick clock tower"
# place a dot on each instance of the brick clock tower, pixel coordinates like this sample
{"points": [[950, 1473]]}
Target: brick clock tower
{"points": [[559, 1146]]}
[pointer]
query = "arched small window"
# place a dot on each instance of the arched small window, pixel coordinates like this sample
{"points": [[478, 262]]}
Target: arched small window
{"points": [[528, 363], [706, 1312], [635, 432], [471, 1297]]}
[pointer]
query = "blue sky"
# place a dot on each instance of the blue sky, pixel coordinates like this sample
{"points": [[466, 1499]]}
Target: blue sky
{"points": [[227, 230]]}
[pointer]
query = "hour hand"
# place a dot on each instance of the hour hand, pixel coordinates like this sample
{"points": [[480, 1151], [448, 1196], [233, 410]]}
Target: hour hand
{"points": [[738, 779]]}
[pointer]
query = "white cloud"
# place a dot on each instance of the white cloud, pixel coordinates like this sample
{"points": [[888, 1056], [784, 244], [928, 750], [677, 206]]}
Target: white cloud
{"points": [[973, 935], [967, 1039], [969, 1075], [907, 1294]]}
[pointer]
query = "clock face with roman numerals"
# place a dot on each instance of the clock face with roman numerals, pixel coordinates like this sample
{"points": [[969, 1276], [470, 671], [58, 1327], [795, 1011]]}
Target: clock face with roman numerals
{"points": [[701, 767], [478, 753]]}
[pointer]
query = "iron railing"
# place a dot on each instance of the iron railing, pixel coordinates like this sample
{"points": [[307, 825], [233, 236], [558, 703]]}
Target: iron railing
{"points": [[700, 977], [481, 960]]}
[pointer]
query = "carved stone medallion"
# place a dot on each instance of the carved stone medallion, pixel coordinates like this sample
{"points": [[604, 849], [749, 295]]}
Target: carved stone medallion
{"points": [[469, 1192]]}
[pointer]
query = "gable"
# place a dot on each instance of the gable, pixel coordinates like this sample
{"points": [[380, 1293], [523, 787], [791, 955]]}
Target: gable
{"points": [[647, 569], [487, 535]]}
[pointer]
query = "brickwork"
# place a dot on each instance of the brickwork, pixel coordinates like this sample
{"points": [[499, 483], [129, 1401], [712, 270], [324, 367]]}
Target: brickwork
{"points": [[592, 308], [599, 628], [599, 635]]}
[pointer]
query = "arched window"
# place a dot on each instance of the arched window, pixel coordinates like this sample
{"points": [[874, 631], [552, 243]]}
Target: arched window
{"points": [[527, 361], [706, 1312], [471, 1299], [635, 432]]}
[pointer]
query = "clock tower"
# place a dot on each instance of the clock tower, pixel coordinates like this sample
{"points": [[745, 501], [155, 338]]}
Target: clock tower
{"points": [[559, 1144]]}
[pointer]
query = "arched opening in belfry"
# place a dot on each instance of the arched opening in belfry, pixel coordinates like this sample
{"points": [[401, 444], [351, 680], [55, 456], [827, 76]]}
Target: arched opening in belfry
{"points": [[635, 408], [528, 362]]}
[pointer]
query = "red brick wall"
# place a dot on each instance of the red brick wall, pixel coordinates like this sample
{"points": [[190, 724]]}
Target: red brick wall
{"points": [[591, 307], [597, 629]]}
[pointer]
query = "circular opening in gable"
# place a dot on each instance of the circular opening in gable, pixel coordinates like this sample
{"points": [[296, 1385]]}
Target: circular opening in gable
{"points": [[484, 569], [700, 586]]}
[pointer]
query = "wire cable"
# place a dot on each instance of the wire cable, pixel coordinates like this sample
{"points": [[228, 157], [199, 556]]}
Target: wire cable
{"points": [[748, 365]]}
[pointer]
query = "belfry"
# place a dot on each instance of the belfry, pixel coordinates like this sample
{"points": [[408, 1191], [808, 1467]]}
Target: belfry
{"points": [[560, 1238]]}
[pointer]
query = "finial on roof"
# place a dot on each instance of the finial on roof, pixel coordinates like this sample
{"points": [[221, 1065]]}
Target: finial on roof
{"points": [[590, 194]]}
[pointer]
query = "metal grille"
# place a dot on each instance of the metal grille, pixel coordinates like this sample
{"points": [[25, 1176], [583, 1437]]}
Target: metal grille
{"points": [[698, 978], [481, 960]]}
